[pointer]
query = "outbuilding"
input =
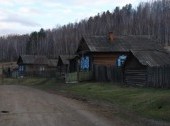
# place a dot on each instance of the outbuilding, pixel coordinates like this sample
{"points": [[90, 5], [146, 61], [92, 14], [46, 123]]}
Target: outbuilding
{"points": [[147, 68]]}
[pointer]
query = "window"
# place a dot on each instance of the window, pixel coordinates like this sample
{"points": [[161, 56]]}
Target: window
{"points": [[21, 68], [42, 68], [85, 63], [121, 59]]}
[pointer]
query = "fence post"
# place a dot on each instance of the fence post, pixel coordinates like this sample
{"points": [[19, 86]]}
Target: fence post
{"points": [[78, 70]]}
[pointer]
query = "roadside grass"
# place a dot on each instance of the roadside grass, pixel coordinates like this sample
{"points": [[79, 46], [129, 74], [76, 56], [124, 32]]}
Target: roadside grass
{"points": [[150, 103], [147, 102], [41, 83]]}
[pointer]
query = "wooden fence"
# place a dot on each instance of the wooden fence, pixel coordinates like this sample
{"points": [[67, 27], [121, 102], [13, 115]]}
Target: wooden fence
{"points": [[158, 77], [83, 76], [107, 73], [47, 74]]}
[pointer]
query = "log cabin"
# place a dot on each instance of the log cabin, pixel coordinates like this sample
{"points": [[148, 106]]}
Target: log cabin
{"points": [[111, 50]]}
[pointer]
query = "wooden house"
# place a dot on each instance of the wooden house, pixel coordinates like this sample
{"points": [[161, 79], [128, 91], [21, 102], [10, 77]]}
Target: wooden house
{"points": [[147, 68], [110, 50], [67, 63], [109, 57], [32, 65]]}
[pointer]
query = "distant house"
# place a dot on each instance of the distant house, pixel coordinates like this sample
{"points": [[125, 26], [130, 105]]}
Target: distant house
{"points": [[32, 65], [67, 63]]}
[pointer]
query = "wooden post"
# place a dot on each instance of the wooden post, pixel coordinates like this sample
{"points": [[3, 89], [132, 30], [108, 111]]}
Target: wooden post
{"points": [[78, 71]]}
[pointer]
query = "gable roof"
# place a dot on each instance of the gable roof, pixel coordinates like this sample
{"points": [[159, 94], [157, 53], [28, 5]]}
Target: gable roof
{"points": [[94, 44], [64, 59], [120, 44], [33, 59], [152, 58]]}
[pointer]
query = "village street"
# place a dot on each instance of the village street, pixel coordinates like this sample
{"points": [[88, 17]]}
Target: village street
{"points": [[25, 106]]}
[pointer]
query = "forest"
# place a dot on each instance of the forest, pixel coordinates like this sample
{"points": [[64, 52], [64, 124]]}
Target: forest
{"points": [[148, 18]]}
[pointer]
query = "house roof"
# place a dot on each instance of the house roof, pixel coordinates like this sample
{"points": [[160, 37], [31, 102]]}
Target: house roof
{"points": [[120, 44], [152, 58], [33, 59], [52, 62], [65, 58]]}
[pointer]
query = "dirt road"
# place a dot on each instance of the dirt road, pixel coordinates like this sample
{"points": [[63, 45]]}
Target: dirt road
{"points": [[32, 107]]}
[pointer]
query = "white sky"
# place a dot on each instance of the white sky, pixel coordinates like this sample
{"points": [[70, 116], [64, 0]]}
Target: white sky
{"points": [[25, 16]]}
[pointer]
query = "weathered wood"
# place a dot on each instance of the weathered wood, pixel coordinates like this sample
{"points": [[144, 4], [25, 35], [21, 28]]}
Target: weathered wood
{"points": [[104, 59], [107, 73], [158, 77], [135, 77]]}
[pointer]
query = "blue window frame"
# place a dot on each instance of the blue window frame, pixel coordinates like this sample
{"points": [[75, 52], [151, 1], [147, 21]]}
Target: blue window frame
{"points": [[121, 59], [85, 63]]}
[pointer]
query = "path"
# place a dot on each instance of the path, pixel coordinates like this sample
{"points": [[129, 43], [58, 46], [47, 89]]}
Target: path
{"points": [[33, 107]]}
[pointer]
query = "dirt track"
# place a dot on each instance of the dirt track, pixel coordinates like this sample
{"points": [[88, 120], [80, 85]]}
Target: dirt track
{"points": [[32, 107]]}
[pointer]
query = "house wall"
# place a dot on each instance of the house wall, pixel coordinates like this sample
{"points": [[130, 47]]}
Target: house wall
{"points": [[32, 70], [73, 65], [105, 59], [134, 72], [29, 68], [132, 62], [63, 69]]}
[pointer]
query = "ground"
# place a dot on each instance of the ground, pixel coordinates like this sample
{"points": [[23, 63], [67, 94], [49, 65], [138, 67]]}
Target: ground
{"points": [[25, 106], [48, 102]]}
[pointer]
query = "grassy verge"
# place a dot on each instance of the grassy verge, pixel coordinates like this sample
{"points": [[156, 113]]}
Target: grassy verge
{"points": [[146, 102]]}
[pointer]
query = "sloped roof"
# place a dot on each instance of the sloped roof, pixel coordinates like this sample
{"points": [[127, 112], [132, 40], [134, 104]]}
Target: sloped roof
{"points": [[52, 62], [95, 44], [65, 58], [120, 44], [152, 58], [33, 59]]}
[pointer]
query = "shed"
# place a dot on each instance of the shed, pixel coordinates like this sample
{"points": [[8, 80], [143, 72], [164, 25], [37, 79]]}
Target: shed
{"points": [[67, 63], [147, 68]]}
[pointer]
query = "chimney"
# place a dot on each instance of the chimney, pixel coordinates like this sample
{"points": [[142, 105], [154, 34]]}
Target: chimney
{"points": [[111, 37]]}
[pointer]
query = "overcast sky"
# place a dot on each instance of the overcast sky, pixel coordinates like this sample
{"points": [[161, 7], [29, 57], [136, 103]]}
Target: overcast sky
{"points": [[25, 16]]}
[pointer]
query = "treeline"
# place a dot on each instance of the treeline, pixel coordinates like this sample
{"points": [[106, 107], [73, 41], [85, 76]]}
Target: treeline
{"points": [[150, 18]]}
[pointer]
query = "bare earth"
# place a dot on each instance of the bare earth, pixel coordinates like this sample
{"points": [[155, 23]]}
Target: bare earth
{"points": [[33, 107]]}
